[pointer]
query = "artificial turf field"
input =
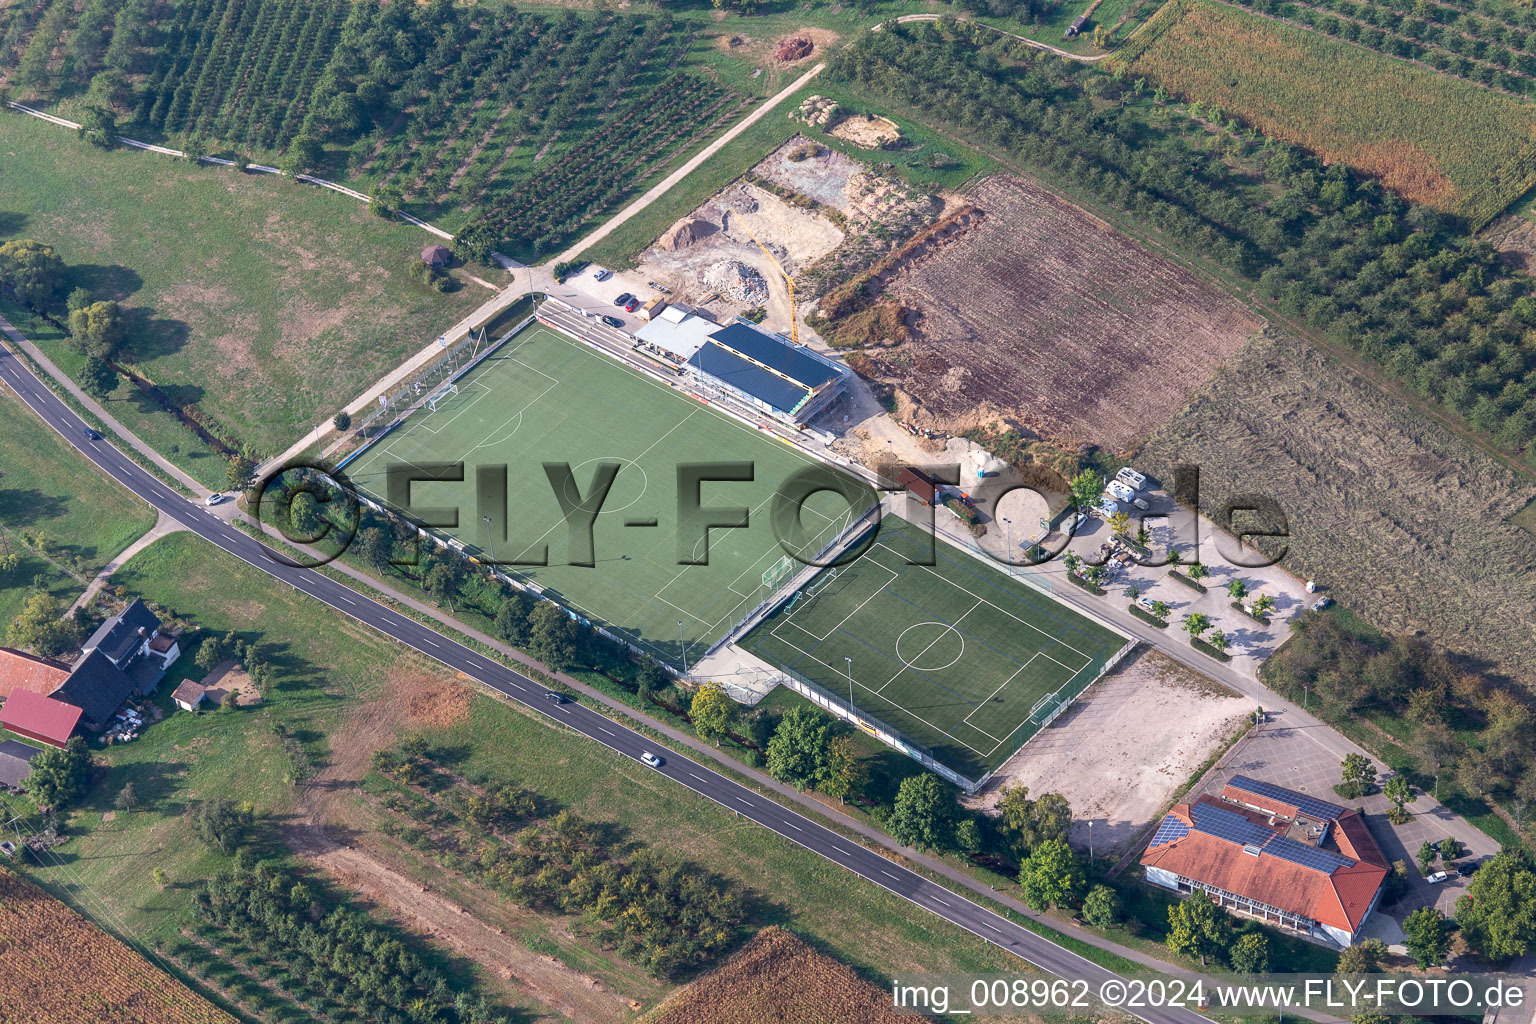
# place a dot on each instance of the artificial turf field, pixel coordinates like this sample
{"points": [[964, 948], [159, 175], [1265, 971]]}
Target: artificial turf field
{"points": [[542, 397], [956, 656]]}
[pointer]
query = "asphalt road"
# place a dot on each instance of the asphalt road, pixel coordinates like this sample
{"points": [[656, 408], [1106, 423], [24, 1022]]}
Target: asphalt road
{"points": [[907, 884]]}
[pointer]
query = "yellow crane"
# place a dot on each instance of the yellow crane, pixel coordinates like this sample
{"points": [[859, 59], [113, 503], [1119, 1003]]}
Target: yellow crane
{"points": [[789, 283]]}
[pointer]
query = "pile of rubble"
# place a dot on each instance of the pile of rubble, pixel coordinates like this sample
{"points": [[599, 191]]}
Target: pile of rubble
{"points": [[686, 233], [739, 281], [792, 49]]}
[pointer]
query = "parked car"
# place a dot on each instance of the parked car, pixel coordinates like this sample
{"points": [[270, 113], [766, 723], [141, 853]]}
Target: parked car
{"points": [[213, 499], [1468, 869], [624, 300], [1147, 604], [614, 322], [1438, 877], [632, 305], [651, 759], [1131, 478], [1072, 520], [1121, 491], [601, 275], [1321, 603], [1141, 503]]}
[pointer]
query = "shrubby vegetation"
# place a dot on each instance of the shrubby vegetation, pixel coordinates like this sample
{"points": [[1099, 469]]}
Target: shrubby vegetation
{"points": [[1341, 254]]}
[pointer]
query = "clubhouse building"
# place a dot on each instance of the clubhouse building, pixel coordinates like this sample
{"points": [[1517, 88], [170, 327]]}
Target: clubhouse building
{"points": [[1271, 853]]}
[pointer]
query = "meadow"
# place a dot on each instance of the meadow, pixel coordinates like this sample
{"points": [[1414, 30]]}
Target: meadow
{"points": [[58, 513], [264, 304], [1433, 138]]}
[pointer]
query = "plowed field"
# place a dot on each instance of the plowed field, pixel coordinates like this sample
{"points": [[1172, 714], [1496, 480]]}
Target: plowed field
{"points": [[1044, 317]]}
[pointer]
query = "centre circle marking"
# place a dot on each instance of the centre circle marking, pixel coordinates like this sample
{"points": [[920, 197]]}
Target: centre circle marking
{"points": [[923, 643], [618, 481]]}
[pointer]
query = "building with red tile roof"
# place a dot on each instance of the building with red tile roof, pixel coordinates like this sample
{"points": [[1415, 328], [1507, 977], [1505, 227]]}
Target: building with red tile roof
{"points": [[1271, 853], [21, 671], [40, 718]]}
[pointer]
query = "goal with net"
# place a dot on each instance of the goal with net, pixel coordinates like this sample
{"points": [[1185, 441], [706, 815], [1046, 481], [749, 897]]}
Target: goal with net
{"points": [[441, 394]]}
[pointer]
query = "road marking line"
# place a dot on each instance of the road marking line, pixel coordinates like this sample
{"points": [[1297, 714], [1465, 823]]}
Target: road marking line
{"points": [[745, 800], [699, 777], [887, 874], [426, 641], [792, 825], [938, 901], [341, 597], [601, 729]]}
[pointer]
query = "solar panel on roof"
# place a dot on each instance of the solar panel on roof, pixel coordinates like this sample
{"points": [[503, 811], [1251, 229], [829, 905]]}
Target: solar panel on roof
{"points": [[1310, 806], [1171, 829], [1312, 857], [1229, 825]]}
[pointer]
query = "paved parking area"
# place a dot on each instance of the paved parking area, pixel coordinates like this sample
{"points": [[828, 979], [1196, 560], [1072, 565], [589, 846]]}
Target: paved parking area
{"points": [[1294, 758]]}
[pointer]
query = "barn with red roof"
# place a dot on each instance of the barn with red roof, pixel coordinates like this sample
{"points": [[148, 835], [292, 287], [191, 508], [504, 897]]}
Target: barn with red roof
{"points": [[40, 718]]}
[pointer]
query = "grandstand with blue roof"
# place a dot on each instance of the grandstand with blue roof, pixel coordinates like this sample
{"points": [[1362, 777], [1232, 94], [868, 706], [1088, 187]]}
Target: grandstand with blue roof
{"points": [[766, 371]]}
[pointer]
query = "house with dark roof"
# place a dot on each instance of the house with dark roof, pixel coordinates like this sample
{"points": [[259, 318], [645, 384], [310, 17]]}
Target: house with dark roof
{"points": [[21, 671], [767, 372], [1271, 853], [16, 764], [98, 688], [39, 718], [436, 256]]}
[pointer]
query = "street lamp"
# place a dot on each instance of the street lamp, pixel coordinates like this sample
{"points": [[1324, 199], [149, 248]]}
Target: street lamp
{"points": [[850, 684], [683, 644], [490, 540], [1090, 842]]}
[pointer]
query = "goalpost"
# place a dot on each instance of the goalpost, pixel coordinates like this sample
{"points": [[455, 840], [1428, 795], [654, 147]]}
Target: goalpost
{"points": [[440, 394]]}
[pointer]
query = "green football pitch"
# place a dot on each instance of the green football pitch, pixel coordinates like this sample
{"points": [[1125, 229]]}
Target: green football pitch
{"points": [[956, 656], [544, 398]]}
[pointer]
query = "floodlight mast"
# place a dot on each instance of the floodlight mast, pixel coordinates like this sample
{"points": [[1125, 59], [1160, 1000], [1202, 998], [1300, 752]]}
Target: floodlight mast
{"points": [[789, 283]]}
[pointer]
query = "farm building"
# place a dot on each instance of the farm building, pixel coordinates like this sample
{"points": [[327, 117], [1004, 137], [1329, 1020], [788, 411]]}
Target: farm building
{"points": [[436, 256], [15, 764], [127, 655], [1076, 26], [21, 671], [189, 695], [1274, 854], [765, 371], [39, 718], [920, 484]]}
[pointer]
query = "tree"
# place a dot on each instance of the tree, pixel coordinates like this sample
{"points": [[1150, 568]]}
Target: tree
{"points": [[1237, 589], [713, 712], [1498, 914], [97, 329], [797, 753], [99, 378], [1426, 856], [377, 547], [1120, 523], [98, 126], [342, 420], [1219, 640], [1429, 936], [239, 472], [651, 678], [386, 201], [304, 155], [924, 813], [1196, 623], [443, 580], [158, 876], [512, 621], [1052, 876], [1523, 797], [1449, 849], [1197, 571], [968, 836], [1161, 609], [222, 824], [209, 653], [552, 635], [38, 628], [1363, 957], [1198, 928], [78, 298], [1101, 907], [1086, 487], [846, 770], [1263, 604], [32, 270], [127, 798], [58, 774], [1357, 774], [1026, 823], [1398, 790], [1251, 954]]}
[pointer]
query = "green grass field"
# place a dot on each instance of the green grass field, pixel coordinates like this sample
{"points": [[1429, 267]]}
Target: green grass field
{"points": [[544, 398], [57, 512], [956, 656], [267, 304]]}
